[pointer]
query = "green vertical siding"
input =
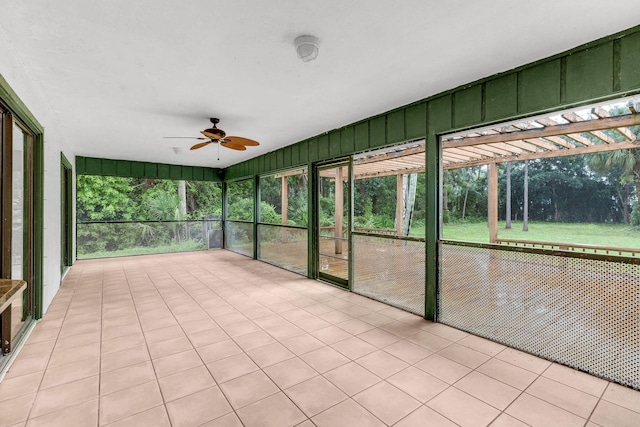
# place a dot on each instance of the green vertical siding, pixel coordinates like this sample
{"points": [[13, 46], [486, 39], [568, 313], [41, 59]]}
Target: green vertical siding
{"points": [[127, 168]]}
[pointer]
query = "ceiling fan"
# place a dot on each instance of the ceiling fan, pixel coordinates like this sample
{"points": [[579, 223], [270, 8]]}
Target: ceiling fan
{"points": [[213, 135]]}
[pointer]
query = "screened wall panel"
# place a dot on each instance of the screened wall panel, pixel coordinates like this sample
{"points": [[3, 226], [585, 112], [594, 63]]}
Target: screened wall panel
{"points": [[582, 312], [239, 237], [285, 247], [390, 270]]}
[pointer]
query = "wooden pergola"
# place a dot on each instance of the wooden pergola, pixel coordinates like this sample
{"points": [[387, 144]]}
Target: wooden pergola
{"points": [[567, 134]]}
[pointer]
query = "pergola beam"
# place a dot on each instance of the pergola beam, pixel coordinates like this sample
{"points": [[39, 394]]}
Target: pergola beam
{"points": [[563, 129]]}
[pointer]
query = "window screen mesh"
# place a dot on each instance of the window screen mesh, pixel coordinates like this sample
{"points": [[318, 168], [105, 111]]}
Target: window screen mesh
{"points": [[581, 312], [390, 270]]}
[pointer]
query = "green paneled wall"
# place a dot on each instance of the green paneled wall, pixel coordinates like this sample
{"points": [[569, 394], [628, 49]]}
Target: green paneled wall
{"points": [[127, 168], [604, 69]]}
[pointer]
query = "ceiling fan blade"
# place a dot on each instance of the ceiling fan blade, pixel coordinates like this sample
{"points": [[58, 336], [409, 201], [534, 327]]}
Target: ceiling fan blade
{"points": [[242, 141], [233, 146], [200, 145], [185, 137]]}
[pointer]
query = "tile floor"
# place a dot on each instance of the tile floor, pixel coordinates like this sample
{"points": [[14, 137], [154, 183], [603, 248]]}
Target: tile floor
{"points": [[216, 339]]}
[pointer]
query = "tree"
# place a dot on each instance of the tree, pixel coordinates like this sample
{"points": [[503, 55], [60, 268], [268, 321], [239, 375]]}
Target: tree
{"points": [[525, 216], [508, 204]]}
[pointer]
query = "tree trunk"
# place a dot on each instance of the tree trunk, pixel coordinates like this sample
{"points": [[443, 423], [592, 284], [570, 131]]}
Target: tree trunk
{"points": [[464, 204], [625, 204], [508, 210], [182, 207], [409, 203], [525, 214]]}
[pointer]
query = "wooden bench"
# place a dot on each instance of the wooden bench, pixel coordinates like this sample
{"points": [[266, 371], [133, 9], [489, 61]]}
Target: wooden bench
{"points": [[9, 290]]}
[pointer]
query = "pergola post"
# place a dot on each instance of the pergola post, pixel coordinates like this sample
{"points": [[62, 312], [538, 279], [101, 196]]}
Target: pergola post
{"points": [[399, 203], [339, 207], [493, 202], [285, 207]]}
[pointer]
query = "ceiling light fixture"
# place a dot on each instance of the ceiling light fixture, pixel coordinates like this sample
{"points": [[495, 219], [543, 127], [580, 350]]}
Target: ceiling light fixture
{"points": [[307, 47]]}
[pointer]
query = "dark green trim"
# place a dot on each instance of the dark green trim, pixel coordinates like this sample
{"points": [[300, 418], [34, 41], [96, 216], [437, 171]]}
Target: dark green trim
{"points": [[134, 169], [540, 251], [312, 221], [38, 229], [66, 212], [22, 114], [256, 215], [18, 108]]}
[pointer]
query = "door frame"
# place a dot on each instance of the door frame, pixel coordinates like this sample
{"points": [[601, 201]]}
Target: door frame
{"points": [[315, 225], [66, 214]]}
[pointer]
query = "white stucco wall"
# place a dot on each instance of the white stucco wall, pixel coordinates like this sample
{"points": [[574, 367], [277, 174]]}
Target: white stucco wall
{"points": [[16, 72]]}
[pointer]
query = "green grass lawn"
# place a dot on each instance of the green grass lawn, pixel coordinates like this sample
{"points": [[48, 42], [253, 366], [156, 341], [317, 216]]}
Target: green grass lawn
{"points": [[619, 235], [189, 245]]}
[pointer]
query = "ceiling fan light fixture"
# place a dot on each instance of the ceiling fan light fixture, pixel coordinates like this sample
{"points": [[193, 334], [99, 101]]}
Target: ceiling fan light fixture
{"points": [[214, 133], [307, 47]]}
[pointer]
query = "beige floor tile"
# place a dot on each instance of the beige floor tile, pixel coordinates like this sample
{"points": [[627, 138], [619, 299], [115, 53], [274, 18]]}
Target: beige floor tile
{"points": [[462, 408], [270, 354], [407, 351], [207, 337], [169, 347], [67, 343], [111, 332], [507, 373], [290, 372], [123, 343], [220, 350], [131, 401], [331, 334], [270, 321], [379, 338], [284, 331], [254, 340], [346, 413], [354, 347], [377, 319], [491, 391], [418, 384], [382, 363], [617, 394], [274, 411], [16, 409], [126, 377], [443, 368], [156, 417], [185, 383], [303, 344], [241, 328], [355, 326], [57, 375], [538, 413], [324, 359], [422, 415], [232, 367], [83, 414], [312, 324], [400, 329], [336, 316], [576, 379], [464, 355], [482, 345], [430, 341], [505, 420], [229, 420], [163, 334], [124, 358], [523, 360], [28, 365], [315, 395], [198, 408], [178, 362], [387, 402], [247, 389], [608, 414], [19, 386], [63, 396], [63, 357], [568, 398], [37, 349], [352, 378], [447, 332]]}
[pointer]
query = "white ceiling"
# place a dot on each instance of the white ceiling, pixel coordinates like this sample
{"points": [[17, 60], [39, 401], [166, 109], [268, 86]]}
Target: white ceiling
{"points": [[110, 78]]}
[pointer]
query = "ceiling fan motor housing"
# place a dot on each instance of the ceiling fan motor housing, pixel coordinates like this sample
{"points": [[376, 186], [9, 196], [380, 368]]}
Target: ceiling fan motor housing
{"points": [[214, 132]]}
